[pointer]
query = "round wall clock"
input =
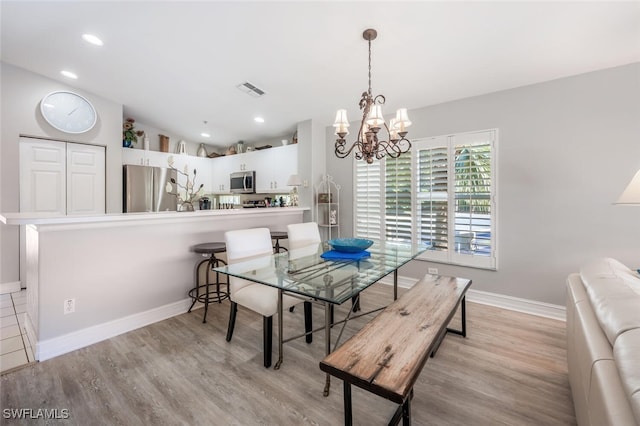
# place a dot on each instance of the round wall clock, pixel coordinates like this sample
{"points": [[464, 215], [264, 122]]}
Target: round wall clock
{"points": [[68, 112]]}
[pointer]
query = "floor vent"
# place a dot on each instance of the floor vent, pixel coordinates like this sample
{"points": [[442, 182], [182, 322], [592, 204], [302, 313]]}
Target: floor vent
{"points": [[250, 89]]}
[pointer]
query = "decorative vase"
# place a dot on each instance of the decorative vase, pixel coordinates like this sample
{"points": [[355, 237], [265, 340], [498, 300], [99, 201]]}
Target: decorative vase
{"points": [[181, 148], [186, 207], [164, 143], [202, 151], [126, 143]]}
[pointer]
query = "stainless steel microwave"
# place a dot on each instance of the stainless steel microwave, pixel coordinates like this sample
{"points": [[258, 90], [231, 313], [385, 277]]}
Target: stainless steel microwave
{"points": [[243, 182]]}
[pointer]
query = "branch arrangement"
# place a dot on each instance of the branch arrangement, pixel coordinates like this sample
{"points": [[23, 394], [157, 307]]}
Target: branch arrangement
{"points": [[190, 195]]}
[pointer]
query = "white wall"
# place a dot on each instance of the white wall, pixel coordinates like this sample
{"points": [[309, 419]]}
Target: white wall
{"points": [[311, 161], [20, 115], [566, 151], [141, 268]]}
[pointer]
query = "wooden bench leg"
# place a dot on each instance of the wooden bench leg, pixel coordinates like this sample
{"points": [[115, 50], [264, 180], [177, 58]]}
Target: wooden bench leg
{"points": [[347, 404]]}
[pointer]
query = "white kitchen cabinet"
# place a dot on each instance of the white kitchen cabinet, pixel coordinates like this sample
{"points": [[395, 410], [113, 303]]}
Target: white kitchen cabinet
{"points": [[275, 167], [247, 161], [205, 173], [61, 177], [140, 157], [202, 165], [136, 157], [221, 169]]}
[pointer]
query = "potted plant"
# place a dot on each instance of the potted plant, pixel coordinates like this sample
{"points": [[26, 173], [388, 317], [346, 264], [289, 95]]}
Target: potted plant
{"points": [[129, 133]]}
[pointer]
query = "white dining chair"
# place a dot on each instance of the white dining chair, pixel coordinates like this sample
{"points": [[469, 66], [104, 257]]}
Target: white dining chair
{"points": [[245, 244], [303, 234]]}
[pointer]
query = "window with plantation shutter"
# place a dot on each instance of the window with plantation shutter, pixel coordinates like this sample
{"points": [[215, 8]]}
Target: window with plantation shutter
{"points": [[368, 200], [397, 196], [440, 194], [432, 195]]}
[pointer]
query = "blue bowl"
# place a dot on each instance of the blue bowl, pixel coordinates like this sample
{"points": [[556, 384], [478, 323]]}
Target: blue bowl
{"points": [[350, 245]]}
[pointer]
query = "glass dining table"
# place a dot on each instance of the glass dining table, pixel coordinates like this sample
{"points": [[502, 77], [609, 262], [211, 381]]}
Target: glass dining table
{"points": [[304, 273]]}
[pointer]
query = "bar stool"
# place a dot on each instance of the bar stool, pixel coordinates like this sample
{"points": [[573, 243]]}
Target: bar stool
{"points": [[208, 296], [279, 235]]}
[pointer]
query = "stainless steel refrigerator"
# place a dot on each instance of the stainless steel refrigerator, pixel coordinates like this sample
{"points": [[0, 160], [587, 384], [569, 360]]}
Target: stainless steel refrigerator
{"points": [[144, 189]]}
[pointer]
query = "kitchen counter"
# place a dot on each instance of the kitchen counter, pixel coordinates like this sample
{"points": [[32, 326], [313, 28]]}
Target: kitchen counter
{"points": [[124, 271], [148, 217]]}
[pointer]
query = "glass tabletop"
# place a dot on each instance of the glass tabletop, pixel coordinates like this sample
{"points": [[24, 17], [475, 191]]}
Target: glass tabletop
{"points": [[303, 271]]}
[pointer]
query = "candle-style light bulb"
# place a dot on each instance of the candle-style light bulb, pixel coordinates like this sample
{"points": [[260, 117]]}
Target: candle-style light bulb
{"points": [[342, 122]]}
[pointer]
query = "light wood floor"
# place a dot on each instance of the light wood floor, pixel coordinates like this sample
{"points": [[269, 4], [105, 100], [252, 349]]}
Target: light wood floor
{"points": [[510, 370]]}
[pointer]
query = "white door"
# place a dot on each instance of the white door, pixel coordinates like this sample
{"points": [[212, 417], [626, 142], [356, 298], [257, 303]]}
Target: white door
{"points": [[85, 179], [61, 178], [42, 176]]}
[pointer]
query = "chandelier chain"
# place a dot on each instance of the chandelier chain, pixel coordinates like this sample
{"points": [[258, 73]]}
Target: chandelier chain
{"points": [[370, 94]]}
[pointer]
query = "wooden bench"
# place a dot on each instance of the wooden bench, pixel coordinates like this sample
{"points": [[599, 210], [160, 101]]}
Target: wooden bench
{"points": [[388, 354]]}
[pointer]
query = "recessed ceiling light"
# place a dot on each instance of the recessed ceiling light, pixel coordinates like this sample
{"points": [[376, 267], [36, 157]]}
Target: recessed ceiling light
{"points": [[259, 120], [90, 38], [205, 135], [69, 74]]}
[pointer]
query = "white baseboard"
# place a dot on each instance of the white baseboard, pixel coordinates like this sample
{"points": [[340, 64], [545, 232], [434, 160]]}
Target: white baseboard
{"points": [[48, 349], [526, 306], [9, 287], [511, 303]]}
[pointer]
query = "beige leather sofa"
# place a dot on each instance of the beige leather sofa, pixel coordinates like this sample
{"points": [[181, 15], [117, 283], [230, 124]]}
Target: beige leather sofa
{"points": [[603, 343]]}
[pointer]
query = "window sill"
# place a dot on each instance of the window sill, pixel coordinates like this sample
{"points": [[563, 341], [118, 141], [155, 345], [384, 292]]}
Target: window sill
{"points": [[423, 258]]}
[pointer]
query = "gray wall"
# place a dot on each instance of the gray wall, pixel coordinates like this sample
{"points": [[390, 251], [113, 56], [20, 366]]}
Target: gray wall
{"points": [[567, 148], [20, 115]]}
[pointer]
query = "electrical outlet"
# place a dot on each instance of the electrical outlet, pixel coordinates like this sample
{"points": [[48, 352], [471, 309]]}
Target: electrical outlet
{"points": [[69, 306], [433, 271]]}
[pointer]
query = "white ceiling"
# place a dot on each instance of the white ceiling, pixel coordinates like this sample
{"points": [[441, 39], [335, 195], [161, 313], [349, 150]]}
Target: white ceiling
{"points": [[174, 65]]}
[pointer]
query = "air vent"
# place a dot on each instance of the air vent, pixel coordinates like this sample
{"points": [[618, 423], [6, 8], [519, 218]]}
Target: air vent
{"points": [[250, 89]]}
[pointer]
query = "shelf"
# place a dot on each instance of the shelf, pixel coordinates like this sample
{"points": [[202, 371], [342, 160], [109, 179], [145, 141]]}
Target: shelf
{"points": [[327, 198]]}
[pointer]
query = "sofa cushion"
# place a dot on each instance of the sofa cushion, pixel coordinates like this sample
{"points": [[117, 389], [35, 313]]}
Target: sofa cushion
{"points": [[626, 353], [610, 288]]}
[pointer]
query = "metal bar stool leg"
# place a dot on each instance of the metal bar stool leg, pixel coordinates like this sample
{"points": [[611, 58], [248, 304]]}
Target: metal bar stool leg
{"points": [[202, 292]]}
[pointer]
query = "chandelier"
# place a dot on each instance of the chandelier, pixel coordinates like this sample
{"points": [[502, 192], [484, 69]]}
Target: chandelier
{"points": [[367, 146]]}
